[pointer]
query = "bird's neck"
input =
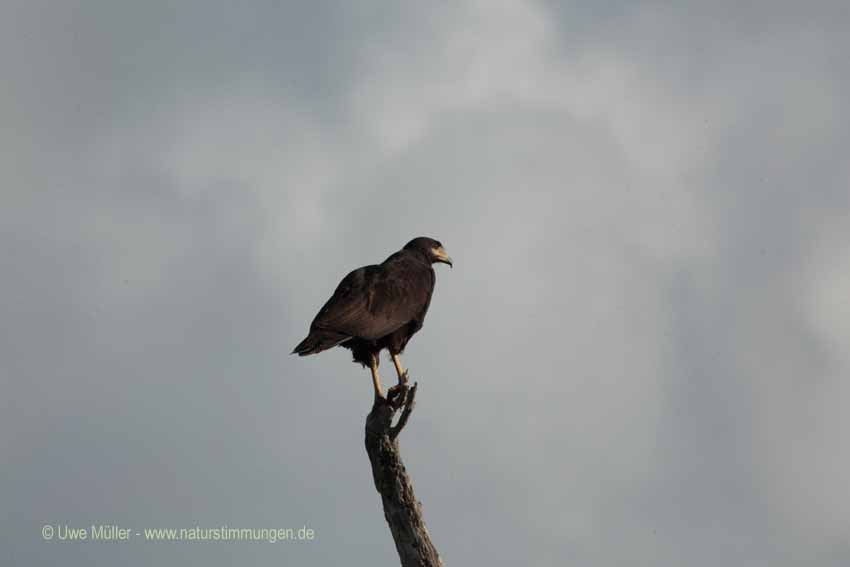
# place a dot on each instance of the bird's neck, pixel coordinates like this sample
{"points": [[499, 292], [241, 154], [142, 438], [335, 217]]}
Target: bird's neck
{"points": [[419, 255]]}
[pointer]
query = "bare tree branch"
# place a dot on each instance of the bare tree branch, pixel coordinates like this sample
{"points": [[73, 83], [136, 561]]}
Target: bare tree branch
{"points": [[401, 509]]}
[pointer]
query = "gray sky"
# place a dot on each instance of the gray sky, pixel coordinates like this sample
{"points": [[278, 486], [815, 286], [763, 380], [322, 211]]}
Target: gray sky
{"points": [[640, 357]]}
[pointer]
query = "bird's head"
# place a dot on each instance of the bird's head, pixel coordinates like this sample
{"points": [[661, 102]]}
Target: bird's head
{"points": [[432, 249]]}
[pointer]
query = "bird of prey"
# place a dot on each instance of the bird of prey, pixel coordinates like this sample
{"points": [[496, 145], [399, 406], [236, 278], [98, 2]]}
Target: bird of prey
{"points": [[378, 307]]}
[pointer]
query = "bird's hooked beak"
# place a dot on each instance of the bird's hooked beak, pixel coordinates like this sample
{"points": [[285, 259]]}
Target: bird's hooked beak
{"points": [[441, 256]]}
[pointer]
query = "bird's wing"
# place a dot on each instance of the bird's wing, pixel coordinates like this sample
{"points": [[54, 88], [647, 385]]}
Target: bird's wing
{"points": [[370, 303]]}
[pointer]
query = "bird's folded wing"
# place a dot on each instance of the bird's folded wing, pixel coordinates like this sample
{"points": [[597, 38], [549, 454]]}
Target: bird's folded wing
{"points": [[369, 306]]}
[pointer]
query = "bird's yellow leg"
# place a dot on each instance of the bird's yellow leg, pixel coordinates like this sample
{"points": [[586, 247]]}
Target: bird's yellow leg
{"points": [[376, 382], [402, 374]]}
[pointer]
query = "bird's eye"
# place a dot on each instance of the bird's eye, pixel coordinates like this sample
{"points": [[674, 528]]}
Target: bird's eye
{"points": [[439, 244]]}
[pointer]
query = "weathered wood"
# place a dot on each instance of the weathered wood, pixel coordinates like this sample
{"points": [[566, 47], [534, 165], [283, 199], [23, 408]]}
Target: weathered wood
{"points": [[401, 509]]}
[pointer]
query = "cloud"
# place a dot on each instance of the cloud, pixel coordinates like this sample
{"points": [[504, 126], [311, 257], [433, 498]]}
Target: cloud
{"points": [[640, 343]]}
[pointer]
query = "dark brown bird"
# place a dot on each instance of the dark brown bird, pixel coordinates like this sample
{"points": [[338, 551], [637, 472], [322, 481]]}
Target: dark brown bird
{"points": [[378, 307]]}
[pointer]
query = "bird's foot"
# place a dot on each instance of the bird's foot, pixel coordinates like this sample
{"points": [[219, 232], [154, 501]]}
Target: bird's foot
{"points": [[400, 398], [397, 395]]}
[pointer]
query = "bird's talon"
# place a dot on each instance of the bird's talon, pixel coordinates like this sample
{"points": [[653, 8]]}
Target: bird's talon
{"points": [[393, 392], [397, 395]]}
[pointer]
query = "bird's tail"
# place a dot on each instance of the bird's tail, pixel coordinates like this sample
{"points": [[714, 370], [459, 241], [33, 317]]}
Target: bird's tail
{"points": [[317, 341]]}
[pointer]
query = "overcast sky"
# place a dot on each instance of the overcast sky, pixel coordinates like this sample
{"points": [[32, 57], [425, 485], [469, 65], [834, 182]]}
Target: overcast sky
{"points": [[641, 356]]}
